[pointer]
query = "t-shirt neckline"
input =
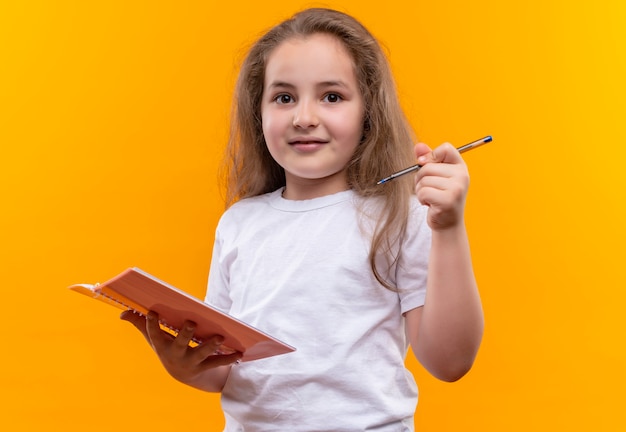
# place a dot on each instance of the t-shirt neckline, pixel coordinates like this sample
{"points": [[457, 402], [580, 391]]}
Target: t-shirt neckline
{"points": [[278, 202]]}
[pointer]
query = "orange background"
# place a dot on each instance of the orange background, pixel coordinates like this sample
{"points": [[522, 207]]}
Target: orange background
{"points": [[113, 117]]}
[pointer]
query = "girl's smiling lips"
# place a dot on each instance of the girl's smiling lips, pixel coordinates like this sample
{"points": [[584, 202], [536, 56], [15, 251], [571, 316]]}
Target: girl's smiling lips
{"points": [[307, 143], [307, 140]]}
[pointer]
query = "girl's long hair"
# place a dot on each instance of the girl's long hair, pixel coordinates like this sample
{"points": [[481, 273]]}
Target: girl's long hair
{"points": [[387, 144]]}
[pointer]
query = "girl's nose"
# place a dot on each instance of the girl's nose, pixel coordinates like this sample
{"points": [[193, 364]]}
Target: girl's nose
{"points": [[305, 115]]}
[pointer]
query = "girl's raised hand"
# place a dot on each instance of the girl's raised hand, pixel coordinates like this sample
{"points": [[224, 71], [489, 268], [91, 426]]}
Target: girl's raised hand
{"points": [[441, 184], [193, 366]]}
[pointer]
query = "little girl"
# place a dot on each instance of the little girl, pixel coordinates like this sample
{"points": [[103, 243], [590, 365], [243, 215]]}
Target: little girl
{"points": [[314, 252]]}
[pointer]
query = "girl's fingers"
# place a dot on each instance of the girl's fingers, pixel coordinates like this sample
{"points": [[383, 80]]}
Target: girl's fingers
{"points": [[207, 349], [221, 359], [135, 319], [442, 199], [441, 184], [445, 153], [185, 335], [157, 337], [421, 149], [431, 182], [437, 170], [139, 321]]}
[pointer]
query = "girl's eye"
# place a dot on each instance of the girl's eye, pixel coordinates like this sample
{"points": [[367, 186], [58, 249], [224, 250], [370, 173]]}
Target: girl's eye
{"points": [[332, 98], [283, 99]]}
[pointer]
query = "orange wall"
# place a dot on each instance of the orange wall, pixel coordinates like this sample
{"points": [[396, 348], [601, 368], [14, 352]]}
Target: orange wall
{"points": [[112, 118]]}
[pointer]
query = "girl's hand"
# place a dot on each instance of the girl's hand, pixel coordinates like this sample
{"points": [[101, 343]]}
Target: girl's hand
{"points": [[192, 366], [441, 184]]}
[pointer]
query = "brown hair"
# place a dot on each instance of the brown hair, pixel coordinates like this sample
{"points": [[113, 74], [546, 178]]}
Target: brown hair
{"points": [[388, 140]]}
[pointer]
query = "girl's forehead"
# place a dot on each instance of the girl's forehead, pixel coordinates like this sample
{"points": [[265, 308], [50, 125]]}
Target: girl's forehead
{"points": [[322, 52]]}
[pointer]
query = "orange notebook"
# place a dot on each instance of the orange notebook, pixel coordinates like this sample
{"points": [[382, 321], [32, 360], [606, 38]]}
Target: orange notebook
{"points": [[137, 290]]}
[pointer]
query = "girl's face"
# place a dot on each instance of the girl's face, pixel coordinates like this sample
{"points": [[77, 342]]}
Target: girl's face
{"points": [[312, 113]]}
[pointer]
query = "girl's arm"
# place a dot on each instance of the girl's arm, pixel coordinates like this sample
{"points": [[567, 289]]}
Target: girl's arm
{"points": [[446, 332], [199, 367]]}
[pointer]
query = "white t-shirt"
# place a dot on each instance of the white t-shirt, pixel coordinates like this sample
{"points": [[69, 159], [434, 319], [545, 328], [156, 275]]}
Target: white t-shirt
{"points": [[299, 270]]}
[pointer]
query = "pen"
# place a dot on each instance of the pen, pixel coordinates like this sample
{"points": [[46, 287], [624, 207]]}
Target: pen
{"points": [[461, 149]]}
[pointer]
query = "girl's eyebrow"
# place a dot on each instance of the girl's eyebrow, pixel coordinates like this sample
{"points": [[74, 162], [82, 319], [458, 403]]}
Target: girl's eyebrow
{"points": [[280, 84], [337, 83], [323, 84]]}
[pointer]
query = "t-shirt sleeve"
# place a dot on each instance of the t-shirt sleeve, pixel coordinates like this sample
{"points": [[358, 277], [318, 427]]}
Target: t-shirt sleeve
{"points": [[217, 291], [412, 268]]}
